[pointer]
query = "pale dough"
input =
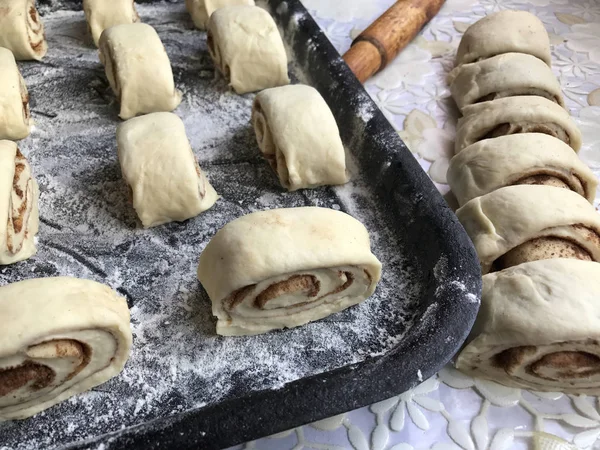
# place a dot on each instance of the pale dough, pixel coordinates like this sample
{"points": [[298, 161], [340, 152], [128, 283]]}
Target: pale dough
{"points": [[159, 166], [59, 337], [138, 69], [299, 136], [512, 115], [504, 32], [246, 46], [286, 267], [528, 158], [18, 206], [538, 328], [22, 30], [15, 119], [201, 10], [500, 221], [505, 75], [102, 14]]}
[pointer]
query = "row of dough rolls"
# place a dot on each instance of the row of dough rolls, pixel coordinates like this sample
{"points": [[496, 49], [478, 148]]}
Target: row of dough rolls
{"points": [[526, 202], [60, 337]]}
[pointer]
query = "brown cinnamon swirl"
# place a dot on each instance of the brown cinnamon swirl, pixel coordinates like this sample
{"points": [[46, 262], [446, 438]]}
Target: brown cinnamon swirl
{"points": [[22, 30]]}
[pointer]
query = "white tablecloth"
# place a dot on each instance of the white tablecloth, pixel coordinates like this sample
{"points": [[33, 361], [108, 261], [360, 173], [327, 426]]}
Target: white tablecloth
{"points": [[451, 410]]}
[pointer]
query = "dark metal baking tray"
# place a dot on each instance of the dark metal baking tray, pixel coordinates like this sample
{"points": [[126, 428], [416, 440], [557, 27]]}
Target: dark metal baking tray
{"points": [[184, 387]]}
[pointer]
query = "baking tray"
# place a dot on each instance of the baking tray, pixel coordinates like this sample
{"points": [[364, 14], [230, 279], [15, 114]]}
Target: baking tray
{"points": [[184, 387]]}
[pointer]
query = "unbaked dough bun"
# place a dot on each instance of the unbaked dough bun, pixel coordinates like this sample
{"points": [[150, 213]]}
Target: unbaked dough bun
{"points": [[517, 224], [504, 32], [297, 133], [246, 47], [505, 75], [201, 10], [528, 158], [103, 14], [138, 69], [59, 337], [15, 119], [512, 115], [18, 206], [285, 267], [160, 168], [538, 328], [22, 30]]}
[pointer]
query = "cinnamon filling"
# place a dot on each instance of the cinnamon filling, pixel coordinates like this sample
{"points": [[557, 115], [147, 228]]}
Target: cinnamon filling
{"points": [[346, 285], [506, 129], [519, 92], [305, 284], [33, 14], [565, 365], [513, 358], [237, 297], [573, 183], [13, 378]]}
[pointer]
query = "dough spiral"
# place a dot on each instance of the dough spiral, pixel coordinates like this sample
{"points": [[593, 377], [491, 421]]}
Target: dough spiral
{"points": [[65, 336], [22, 30], [286, 267], [18, 205], [15, 121]]}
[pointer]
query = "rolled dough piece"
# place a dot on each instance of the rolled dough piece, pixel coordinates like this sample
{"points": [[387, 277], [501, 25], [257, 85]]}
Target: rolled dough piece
{"points": [[138, 69], [22, 30], [15, 119], [504, 32], [59, 337], [517, 224], [101, 15], [246, 46], [201, 10], [159, 166], [505, 75], [286, 267], [18, 206], [512, 115], [298, 135], [538, 328], [528, 158]]}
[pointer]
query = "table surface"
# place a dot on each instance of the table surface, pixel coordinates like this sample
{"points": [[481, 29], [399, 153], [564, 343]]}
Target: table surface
{"points": [[451, 410]]}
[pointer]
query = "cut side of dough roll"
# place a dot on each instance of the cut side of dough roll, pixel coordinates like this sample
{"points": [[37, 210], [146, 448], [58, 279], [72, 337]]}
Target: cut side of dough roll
{"points": [[160, 168], [138, 69], [22, 30], [15, 118], [201, 10], [506, 75], [513, 115], [60, 337], [538, 328], [101, 15], [18, 205], [298, 135], [528, 158], [246, 47], [504, 32], [523, 223], [286, 267]]}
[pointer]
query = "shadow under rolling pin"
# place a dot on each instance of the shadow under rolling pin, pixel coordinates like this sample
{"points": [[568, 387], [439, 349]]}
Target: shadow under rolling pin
{"points": [[379, 44]]}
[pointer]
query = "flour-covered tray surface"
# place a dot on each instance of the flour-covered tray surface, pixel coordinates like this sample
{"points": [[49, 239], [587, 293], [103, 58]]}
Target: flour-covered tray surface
{"points": [[184, 386]]}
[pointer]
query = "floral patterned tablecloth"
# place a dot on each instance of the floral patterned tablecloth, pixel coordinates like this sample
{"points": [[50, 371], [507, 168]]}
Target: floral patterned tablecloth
{"points": [[451, 410]]}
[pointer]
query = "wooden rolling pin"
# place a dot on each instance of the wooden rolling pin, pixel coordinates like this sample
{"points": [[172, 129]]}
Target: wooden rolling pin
{"points": [[379, 44]]}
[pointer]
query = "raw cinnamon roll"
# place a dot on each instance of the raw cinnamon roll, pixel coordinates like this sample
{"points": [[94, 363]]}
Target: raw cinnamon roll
{"points": [[529, 158], [504, 32], [138, 69], [286, 267], [59, 337], [201, 10], [101, 15], [157, 162], [246, 47], [538, 328], [517, 224], [506, 75], [18, 205], [305, 155], [22, 30], [512, 115], [15, 119]]}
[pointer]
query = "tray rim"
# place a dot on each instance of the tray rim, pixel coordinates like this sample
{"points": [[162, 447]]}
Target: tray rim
{"points": [[234, 421]]}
